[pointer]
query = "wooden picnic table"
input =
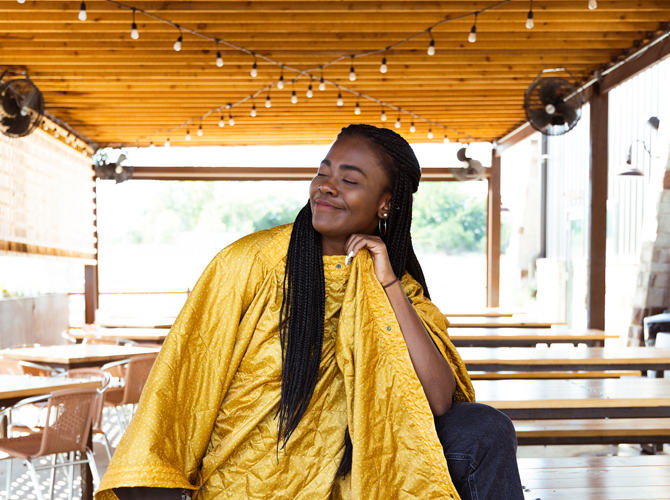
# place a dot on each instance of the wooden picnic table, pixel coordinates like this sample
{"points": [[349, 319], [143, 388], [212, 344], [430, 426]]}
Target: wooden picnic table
{"points": [[483, 313], [76, 355], [628, 397], [160, 322], [505, 322], [526, 337], [589, 358], [139, 335]]}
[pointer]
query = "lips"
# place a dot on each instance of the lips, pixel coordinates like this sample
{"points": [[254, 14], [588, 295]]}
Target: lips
{"points": [[324, 205]]}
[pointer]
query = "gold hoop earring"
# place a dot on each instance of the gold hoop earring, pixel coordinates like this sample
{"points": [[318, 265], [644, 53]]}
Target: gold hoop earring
{"points": [[384, 227]]}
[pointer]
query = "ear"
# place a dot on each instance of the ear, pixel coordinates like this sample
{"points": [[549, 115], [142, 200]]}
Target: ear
{"points": [[384, 206]]}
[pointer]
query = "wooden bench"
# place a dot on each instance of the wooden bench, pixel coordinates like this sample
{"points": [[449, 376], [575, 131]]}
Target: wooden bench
{"points": [[596, 478], [517, 375], [499, 322], [526, 337], [593, 431]]}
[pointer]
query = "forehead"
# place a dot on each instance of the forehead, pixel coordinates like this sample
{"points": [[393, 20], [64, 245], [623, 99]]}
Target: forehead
{"points": [[357, 151]]}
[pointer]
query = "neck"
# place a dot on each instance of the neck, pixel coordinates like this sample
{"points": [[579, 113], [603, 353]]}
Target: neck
{"points": [[332, 246]]}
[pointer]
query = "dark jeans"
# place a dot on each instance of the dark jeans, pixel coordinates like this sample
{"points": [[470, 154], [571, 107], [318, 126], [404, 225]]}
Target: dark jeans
{"points": [[480, 447], [479, 444]]}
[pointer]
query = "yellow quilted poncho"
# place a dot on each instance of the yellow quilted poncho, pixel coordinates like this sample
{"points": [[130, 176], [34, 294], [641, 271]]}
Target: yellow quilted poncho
{"points": [[206, 420]]}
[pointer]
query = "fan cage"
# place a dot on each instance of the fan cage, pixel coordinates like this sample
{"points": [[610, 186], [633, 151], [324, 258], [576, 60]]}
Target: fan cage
{"points": [[19, 89], [535, 107]]}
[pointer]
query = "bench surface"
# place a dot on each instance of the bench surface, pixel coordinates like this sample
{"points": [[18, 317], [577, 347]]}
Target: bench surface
{"points": [[596, 478], [500, 322], [525, 337]]}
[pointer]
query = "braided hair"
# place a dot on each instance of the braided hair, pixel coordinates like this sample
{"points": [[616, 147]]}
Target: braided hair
{"points": [[301, 319]]}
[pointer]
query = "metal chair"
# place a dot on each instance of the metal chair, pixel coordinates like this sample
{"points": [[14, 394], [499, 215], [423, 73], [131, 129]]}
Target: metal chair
{"points": [[69, 416], [137, 371]]}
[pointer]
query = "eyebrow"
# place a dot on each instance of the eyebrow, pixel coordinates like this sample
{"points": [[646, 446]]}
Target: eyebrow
{"points": [[345, 166]]}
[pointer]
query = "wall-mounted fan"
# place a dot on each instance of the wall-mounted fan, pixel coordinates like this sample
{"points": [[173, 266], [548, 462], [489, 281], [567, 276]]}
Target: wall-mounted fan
{"points": [[553, 105], [471, 170], [21, 106], [112, 170]]}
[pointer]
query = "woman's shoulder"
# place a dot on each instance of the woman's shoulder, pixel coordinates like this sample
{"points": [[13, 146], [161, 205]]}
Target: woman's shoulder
{"points": [[269, 245]]}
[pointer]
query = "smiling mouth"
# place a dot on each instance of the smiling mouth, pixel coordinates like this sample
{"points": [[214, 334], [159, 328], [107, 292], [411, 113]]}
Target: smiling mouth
{"points": [[325, 206]]}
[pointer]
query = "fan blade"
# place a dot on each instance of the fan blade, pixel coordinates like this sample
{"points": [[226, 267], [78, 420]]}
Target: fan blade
{"points": [[18, 125], [121, 159], [539, 119], [566, 111], [461, 154], [548, 90], [10, 103]]}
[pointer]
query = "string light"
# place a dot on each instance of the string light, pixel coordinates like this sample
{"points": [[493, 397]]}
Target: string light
{"points": [[472, 37], [45, 125], [340, 102], [280, 83], [68, 138], [412, 128], [352, 71], [188, 135], [309, 92], [219, 59], [430, 133], [593, 4], [151, 145], [177, 44], [56, 133], [200, 132], [167, 142], [231, 120], [431, 45], [21, 1], [530, 22], [222, 122], [383, 68], [357, 109], [83, 150], [268, 101], [322, 83], [294, 97], [134, 34], [254, 69], [383, 118], [397, 122], [253, 111], [446, 139], [82, 11]]}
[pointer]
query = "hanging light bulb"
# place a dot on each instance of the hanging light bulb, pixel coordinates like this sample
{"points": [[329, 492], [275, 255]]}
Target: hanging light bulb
{"points": [[431, 45], [472, 37], [82, 11], [352, 71], [67, 138], [446, 139], [268, 101], [134, 34], [200, 132], [222, 122], [322, 83], [56, 133], [151, 144], [412, 128], [383, 115], [593, 4], [340, 102], [530, 22], [397, 122], [430, 133], [280, 83], [83, 151], [45, 125], [188, 135], [177, 44], [167, 142], [231, 120], [219, 59], [357, 109], [253, 111], [309, 92], [383, 68], [254, 69], [294, 97], [21, 1]]}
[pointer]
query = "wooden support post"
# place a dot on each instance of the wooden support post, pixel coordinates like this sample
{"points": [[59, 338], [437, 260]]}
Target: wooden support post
{"points": [[595, 300], [493, 235], [90, 293]]}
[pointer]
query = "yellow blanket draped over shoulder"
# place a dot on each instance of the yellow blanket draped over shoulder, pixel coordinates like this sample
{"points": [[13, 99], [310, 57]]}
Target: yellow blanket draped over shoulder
{"points": [[207, 417]]}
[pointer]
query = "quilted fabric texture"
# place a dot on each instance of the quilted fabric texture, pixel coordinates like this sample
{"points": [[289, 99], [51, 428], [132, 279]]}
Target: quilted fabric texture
{"points": [[207, 417]]}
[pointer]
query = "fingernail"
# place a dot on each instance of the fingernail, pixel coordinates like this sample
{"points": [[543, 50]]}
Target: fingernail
{"points": [[350, 257]]}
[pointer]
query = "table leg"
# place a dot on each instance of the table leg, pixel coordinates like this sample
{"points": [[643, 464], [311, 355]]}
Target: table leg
{"points": [[86, 477]]}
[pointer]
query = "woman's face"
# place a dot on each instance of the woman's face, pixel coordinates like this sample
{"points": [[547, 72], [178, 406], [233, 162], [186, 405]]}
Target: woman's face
{"points": [[349, 193]]}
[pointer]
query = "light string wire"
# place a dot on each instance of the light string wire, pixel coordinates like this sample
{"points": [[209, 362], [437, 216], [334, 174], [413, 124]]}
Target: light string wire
{"points": [[310, 71]]}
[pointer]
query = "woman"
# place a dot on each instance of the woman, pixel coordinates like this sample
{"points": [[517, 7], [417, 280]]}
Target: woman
{"points": [[309, 362]]}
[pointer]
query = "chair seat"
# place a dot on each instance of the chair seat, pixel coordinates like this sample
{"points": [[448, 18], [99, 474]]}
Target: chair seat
{"points": [[23, 447]]}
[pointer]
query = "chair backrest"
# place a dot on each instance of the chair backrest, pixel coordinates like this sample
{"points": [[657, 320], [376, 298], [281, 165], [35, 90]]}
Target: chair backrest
{"points": [[68, 422], [136, 376], [10, 367], [105, 379]]}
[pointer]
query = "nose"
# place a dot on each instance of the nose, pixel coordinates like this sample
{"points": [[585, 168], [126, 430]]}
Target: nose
{"points": [[327, 187]]}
